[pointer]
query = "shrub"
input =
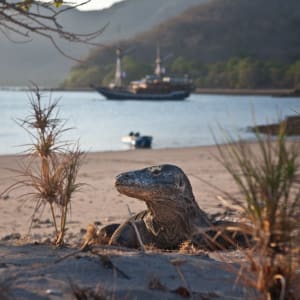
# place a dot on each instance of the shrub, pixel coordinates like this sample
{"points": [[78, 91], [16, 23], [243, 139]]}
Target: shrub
{"points": [[268, 178], [50, 168]]}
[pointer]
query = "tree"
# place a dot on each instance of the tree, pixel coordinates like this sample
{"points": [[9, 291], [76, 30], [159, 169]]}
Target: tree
{"points": [[21, 20], [293, 74]]}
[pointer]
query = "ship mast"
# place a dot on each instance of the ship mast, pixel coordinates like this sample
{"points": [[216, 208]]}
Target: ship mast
{"points": [[118, 74], [158, 69]]}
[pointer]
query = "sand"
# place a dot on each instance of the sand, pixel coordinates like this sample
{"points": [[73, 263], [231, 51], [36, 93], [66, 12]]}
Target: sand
{"points": [[29, 262]]}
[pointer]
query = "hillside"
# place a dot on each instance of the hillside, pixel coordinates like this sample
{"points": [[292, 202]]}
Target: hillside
{"points": [[45, 66], [210, 34]]}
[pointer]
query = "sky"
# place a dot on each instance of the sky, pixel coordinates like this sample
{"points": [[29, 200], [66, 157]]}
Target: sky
{"points": [[95, 4]]}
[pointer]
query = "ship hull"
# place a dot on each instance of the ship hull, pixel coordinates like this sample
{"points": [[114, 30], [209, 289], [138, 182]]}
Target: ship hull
{"points": [[123, 94]]}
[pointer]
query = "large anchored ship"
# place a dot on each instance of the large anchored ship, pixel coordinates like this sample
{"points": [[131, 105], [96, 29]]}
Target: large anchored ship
{"points": [[151, 87]]}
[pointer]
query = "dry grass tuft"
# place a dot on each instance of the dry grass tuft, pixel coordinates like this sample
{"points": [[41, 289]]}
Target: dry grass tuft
{"points": [[50, 168], [269, 181], [91, 237], [187, 247]]}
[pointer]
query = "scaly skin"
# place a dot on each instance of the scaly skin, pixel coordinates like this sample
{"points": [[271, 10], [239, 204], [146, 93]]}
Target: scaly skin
{"points": [[172, 214]]}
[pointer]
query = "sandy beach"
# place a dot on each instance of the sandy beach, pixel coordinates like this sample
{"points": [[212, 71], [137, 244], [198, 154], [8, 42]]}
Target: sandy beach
{"points": [[151, 275], [98, 200]]}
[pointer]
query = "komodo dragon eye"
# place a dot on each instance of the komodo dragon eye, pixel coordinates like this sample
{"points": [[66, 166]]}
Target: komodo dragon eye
{"points": [[155, 171]]}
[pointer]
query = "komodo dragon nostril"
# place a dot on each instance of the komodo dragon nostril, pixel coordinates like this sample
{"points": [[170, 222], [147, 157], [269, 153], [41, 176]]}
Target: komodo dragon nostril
{"points": [[124, 178], [121, 176]]}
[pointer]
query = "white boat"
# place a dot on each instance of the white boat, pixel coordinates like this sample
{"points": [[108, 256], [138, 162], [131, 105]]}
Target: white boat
{"points": [[137, 141]]}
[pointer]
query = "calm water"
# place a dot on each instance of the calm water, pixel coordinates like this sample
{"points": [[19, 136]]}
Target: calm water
{"points": [[100, 124]]}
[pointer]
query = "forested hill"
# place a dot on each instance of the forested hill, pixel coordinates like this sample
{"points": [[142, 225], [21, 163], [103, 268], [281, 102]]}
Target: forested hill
{"points": [[223, 43], [40, 62]]}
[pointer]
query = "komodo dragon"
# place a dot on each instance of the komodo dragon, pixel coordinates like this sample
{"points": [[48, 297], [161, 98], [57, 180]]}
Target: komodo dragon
{"points": [[172, 214]]}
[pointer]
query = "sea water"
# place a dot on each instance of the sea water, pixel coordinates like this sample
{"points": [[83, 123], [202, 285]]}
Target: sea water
{"points": [[99, 124]]}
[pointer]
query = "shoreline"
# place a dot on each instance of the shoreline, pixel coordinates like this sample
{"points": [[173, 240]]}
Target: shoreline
{"points": [[288, 92], [127, 150]]}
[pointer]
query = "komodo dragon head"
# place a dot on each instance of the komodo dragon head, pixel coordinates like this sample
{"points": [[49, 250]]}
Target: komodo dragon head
{"points": [[166, 191], [157, 182]]}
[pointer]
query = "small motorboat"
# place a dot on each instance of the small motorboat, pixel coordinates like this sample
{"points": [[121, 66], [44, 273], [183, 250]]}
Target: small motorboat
{"points": [[136, 140]]}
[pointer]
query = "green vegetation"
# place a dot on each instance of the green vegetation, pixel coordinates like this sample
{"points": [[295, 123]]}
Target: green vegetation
{"points": [[248, 73], [236, 73], [268, 179]]}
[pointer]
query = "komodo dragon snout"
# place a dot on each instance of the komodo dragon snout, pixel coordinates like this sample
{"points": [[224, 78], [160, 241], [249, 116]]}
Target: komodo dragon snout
{"points": [[146, 184]]}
